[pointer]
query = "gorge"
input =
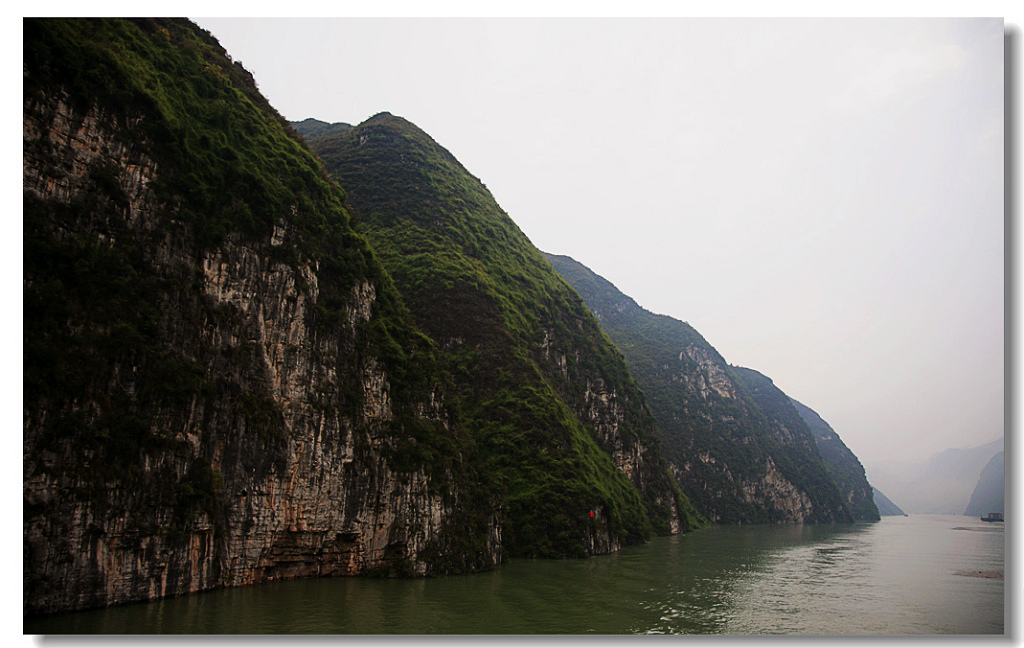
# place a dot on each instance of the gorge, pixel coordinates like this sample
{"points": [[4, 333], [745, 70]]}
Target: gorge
{"points": [[258, 351]]}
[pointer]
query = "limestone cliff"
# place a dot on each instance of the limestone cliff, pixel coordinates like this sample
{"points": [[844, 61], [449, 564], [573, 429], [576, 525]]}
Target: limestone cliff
{"points": [[221, 385]]}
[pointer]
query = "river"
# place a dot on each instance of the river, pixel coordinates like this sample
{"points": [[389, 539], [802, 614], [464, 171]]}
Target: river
{"points": [[921, 574]]}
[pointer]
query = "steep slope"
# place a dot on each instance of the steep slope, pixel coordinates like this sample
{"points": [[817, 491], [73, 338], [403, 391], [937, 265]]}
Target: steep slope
{"points": [[989, 495], [788, 428], [885, 505], [569, 443], [842, 465], [221, 385], [735, 463]]}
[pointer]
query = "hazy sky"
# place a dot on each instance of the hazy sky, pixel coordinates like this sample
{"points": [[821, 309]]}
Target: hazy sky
{"points": [[822, 199]]}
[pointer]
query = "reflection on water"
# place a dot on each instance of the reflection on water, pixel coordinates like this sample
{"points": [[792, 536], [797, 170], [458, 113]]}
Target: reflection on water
{"points": [[899, 576]]}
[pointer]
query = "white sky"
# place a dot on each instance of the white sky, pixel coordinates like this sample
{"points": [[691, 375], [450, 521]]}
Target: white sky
{"points": [[821, 199]]}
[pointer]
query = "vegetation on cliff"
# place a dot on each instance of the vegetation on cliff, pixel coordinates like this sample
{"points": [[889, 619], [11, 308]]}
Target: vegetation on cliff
{"points": [[722, 443], [200, 320], [842, 465], [801, 460], [549, 400], [223, 383], [229, 166], [235, 371]]}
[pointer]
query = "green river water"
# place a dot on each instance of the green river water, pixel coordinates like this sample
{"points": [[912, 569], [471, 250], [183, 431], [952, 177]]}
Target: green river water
{"points": [[920, 574]]}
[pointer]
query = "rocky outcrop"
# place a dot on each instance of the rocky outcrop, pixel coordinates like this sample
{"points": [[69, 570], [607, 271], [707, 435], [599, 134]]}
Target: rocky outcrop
{"points": [[702, 372], [774, 488]]}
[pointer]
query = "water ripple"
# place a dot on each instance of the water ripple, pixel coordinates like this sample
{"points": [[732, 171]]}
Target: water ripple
{"points": [[898, 576]]}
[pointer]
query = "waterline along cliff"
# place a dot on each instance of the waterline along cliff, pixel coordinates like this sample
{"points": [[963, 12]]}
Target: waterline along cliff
{"points": [[223, 384]]}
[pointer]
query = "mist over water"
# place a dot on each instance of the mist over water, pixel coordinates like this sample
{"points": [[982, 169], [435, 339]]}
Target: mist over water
{"points": [[897, 576]]}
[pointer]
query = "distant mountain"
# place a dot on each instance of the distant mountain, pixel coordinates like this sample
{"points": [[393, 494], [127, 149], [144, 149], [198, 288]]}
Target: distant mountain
{"points": [[885, 505], [314, 130], [943, 484], [989, 495], [567, 446], [842, 465], [739, 461]]}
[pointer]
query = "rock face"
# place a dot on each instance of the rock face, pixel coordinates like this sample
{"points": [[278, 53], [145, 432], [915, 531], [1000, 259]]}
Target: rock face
{"points": [[559, 422], [737, 461], [842, 465], [201, 414]]}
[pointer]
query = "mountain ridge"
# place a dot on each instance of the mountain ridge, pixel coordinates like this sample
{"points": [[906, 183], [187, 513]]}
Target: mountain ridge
{"points": [[516, 337]]}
